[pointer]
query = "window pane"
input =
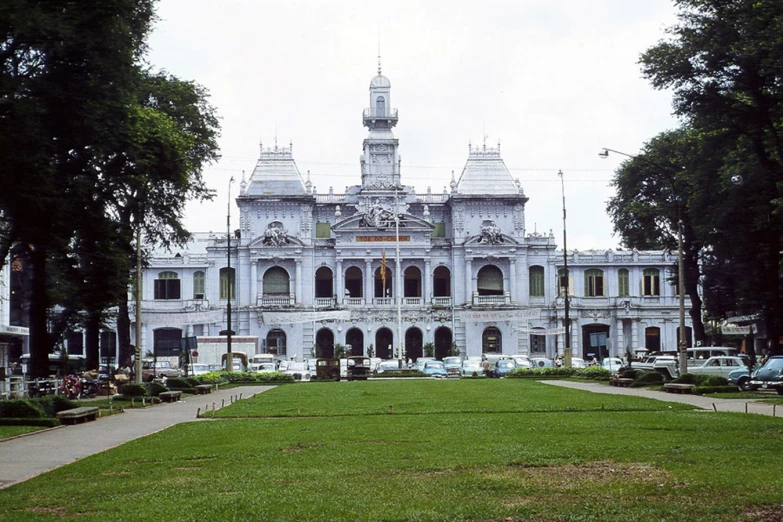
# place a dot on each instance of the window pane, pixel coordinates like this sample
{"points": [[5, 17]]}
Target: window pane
{"points": [[198, 285], [623, 283]]}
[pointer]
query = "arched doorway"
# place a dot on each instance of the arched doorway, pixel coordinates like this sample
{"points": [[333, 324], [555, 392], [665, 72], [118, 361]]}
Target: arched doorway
{"points": [[413, 344], [490, 281], [323, 283], [276, 282], [354, 339], [275, 342], [384, 284], [441, 282], [491, 341], [324, 344], [595, 342], [353, 282], [383, 343], [412, 282], [442, 342]]}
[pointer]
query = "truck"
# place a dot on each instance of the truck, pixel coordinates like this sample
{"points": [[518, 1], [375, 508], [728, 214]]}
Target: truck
{"points": [[210, 349]]}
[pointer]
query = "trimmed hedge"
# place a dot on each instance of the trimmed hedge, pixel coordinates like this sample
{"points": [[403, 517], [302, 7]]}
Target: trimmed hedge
{"points": [[701, 380], [703, 390], [132, 389], [155, 388], [44, 423], [180, 384], [646, 379], [21, 409], [401, 373], [591, 372]]}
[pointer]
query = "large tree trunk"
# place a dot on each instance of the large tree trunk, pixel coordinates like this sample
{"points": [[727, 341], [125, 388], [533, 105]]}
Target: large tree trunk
{"points": [[123, 333], [93, 341], [40, 341], [692, 275]]}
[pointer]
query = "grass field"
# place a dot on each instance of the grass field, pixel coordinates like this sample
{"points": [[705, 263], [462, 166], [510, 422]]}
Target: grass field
{"points": [[456, 450]]}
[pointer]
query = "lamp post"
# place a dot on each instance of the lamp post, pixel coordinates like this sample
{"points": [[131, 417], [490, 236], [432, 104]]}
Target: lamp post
{"points": [[398, 277], [229, 279], [682, 344], [566, 320]]}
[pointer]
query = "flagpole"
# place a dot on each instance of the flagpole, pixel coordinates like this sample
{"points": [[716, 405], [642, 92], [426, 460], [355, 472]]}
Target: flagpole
{"points": [[398, 276]]}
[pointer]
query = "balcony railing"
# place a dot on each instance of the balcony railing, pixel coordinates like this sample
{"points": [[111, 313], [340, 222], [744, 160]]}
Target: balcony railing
{"points": [[383, 301], [276, 300], [491, 300], [353, 301], [441, 301], [325, 302]]}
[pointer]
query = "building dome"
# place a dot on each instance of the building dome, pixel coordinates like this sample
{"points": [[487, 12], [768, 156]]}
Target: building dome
{"points": [[380, 81]]}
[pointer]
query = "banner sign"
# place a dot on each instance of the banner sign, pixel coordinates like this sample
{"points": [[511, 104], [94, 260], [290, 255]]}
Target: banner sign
{"points": [[14, 330], [541, 331], [380, 239], [304, 317], [173, 318], [528, 314], [730, 329]]}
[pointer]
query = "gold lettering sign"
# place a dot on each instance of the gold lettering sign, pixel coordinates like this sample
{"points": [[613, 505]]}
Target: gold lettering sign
{"points": [[380, 239]]}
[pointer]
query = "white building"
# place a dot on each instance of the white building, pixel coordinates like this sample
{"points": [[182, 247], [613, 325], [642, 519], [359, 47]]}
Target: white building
{"points": [[381, 266]]}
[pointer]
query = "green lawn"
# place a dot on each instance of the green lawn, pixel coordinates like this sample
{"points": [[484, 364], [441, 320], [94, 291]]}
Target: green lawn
{"points": [[13, 431], [455, 450]]}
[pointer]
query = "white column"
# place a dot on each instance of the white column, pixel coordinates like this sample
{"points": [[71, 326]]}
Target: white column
{"points": [[369, 279], [339, 287], [427, 282], [254, 281], [512, 276], [298, 297], [468, 280]]}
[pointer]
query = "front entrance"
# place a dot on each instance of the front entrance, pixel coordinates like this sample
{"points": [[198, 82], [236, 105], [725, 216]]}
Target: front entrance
{"points": [[324, 344], [442, 342], [354, 338], [413, 344], [595, 342], [383, 343]]}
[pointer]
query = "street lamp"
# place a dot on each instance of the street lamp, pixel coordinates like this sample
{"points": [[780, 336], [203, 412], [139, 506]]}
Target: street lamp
{"points": [[566, 321], [229, 355], [682, 344]]}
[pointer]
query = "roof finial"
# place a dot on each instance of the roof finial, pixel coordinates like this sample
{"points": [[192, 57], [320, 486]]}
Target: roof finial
{"points": [[379, 52]]}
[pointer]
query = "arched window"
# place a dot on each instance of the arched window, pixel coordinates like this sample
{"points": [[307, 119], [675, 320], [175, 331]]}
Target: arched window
{"points": [[491, 341], [353, 282], [651, 282], [380, 106], [412, 282], [198, 285], [536, 281], [228, 285], [594, 283], [275, 342], [490, 281], [323, 282], [167, 286], [441, 282], [623, 283], [276, 281]]}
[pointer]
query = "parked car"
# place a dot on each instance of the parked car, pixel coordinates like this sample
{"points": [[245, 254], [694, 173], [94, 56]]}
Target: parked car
{"points": [[197, 369], [298, 370], [741, 377], [435, 369], [358, 368], [453, 365], [541, 362], [578, 362], [471, 367], [151, 369], [326, 369], [503, 367], [523, 361], [421, 361], [388, 364], [261, 367], [769, 376], [721, 365], [613, 364]]}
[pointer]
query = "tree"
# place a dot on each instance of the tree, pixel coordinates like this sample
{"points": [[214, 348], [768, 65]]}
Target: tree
{"points": [[724, 62]]}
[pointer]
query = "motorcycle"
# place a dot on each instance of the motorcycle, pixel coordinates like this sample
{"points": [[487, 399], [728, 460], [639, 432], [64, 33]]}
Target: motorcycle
{"points": [[71, 387], [88, 388], [41, 387]]}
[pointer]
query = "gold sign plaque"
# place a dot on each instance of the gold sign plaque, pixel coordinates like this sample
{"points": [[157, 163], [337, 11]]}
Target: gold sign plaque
{"points": [[380, 239]]}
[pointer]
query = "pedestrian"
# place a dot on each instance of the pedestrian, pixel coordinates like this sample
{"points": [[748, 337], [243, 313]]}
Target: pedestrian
{"points": [[485, 367]]}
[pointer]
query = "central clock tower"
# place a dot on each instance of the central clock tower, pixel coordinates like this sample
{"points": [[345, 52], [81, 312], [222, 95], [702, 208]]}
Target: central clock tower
{"points": [[380, 161]]}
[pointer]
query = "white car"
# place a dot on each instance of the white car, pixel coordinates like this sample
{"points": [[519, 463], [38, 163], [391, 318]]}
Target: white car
{"points": [[197, 369], [611, 364], [578, 362], [298, 370], [720, 365], [261, 367], [523, 361]]}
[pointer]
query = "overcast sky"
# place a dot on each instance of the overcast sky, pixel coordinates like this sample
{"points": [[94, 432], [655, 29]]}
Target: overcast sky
{"points": [[553, 82]]}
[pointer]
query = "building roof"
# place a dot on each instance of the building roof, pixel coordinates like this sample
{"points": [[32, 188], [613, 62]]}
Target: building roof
{"points": [[276, 174], [486, 174], [380, 81]]}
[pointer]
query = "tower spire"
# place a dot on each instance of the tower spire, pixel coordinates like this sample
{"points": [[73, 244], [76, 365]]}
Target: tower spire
{"points": [[379, 52]]}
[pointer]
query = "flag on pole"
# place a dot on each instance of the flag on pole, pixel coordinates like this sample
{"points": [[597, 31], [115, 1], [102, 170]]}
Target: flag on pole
{"points": [[383, 272]]}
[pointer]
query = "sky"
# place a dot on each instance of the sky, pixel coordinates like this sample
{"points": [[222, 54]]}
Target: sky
{"points": [[552, 82]]}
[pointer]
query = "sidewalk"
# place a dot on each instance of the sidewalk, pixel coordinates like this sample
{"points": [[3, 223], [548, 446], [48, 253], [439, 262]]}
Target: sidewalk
{"points": [[705, 403], [30, 455]]}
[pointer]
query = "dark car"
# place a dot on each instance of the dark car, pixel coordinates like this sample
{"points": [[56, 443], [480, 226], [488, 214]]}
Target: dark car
{"points": [[327, 369], [358, 368], [503, 366], [769, 376]]}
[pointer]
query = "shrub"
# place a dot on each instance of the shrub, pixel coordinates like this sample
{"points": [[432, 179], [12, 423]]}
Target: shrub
{"points": [[702, 380], [155, 388], [132, 389], [51, 404], [593, 372], [277, 377], [542, 373], [44, 423], [687, 378], [177, 383], [21, 409], [702, 390], [647, 378]]}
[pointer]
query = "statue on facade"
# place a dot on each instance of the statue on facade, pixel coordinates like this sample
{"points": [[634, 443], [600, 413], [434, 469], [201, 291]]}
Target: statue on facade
{"points": [[378, 217], [275, 236], [490, 233]]}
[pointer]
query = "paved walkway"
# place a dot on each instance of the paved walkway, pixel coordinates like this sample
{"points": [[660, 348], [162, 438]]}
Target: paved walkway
{"points": [[24, 457], [705, 403]]}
